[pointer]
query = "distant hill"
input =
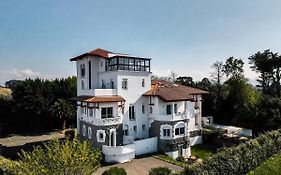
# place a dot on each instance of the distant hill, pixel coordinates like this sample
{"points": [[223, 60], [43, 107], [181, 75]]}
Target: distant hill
{"points": [[5, 92]]}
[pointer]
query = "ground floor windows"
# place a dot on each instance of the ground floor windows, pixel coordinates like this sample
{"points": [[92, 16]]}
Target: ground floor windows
{"points": [[143, 127], [89, 133], [131, 112], [106, 112], [180, 129], [101, 135], [126, 130], [165, 131], [84, 130]]}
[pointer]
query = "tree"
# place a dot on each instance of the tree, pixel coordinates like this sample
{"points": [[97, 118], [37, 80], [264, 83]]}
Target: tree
{"points": [[68, 157], [233, 67], [63, 110], [188, 81], [218, 73], [263, 64], [173, 76]]}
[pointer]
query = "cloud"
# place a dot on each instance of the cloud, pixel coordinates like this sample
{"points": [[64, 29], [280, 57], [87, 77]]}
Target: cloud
{"points": [[21, 74]]}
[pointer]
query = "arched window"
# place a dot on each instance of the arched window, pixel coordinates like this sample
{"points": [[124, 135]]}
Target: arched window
{"points": [[126, 130], [180, 129], [89, 132], [84, 130]]}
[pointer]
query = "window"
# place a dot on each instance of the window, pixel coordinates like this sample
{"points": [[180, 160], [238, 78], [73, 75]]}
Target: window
{"points": [[90, 74], [84, 130], [150, 110], [124, 63], [142, 83], [101, 135], [106, 113], [84, 110], [143, 127], [82, 70], [168, 109], [81, 110], [89, 133], [175, 108], [111, 84], [166, 132], [82, 84], [124, 83], [101, 63], [135, 128], [180, 130], [90, 111], [102, 84], [196, 119], [143, 109], [132, 113], [126, 130]]}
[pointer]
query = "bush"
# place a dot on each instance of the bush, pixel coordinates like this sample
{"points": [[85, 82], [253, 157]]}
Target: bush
{"points": [[70, 133], [58, 157], [180, 159], [240, 159], [160, 171], [115, 171]]}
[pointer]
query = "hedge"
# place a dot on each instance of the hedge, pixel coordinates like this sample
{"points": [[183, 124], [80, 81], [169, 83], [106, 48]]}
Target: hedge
{"points": [[115, 171], [160, 171], [240, 159]]}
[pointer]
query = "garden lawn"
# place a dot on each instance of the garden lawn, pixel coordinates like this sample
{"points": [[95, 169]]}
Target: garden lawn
{"points": [[202, 151], [271, 166]]}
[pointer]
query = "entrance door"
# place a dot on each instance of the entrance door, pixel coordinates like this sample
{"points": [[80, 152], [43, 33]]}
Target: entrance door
{"points": [[180, 150]]}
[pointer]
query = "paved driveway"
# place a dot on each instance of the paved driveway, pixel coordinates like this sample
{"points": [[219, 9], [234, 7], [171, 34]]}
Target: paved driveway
{"points": [[141, 166]]}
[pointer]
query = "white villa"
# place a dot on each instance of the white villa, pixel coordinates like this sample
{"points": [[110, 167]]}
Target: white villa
{"points": [[125, 114]]}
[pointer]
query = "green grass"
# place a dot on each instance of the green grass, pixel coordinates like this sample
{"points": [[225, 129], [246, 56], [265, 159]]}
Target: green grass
{"points": [[271, 166], [202, 151]]}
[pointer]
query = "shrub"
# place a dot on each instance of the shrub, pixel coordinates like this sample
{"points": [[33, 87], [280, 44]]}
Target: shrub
{"points": [[58, 157], [180, 159], [240, 159], [115, 171], [160, 171], [70, 133]]}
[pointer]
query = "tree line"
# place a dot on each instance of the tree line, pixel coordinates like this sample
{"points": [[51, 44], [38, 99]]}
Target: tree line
{"points": [[232, 100], [37, 105]]}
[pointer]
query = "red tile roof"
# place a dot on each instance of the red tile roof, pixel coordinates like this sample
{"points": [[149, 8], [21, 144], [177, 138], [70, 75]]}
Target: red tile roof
{"points": [[97, 52], [168, 91], [99, 99]]}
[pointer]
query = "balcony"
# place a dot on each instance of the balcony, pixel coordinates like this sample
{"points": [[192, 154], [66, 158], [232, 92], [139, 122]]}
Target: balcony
{"points": [[106, 121], [171, 117], [97, 92]]}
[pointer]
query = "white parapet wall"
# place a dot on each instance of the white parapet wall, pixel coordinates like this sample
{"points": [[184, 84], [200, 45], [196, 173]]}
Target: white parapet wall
{"points": [[128, 152], [118, 154], [195, 140]]}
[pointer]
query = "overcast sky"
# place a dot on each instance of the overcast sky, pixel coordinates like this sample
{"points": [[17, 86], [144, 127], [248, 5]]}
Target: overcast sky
{"points": [[38, 37]]}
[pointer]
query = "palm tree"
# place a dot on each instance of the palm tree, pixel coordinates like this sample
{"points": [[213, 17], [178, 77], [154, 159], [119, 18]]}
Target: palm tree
{"points": [[63, 110]]}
